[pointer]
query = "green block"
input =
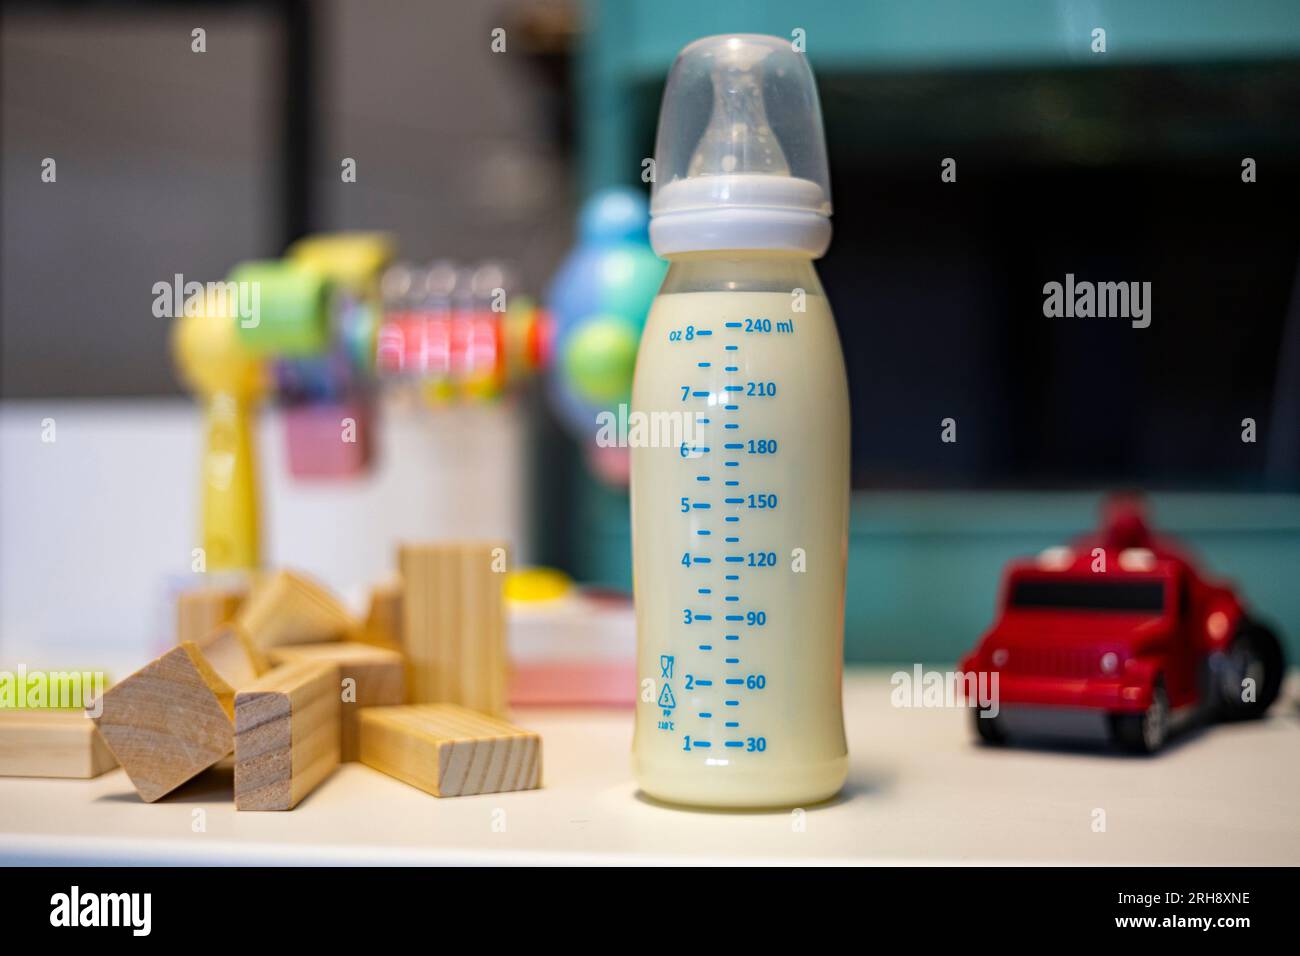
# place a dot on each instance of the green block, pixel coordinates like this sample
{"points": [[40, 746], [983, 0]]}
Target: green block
{"points": [[290, 309]]}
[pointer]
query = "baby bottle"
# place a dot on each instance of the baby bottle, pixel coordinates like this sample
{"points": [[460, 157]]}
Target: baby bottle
{"points": [[740, 479]]}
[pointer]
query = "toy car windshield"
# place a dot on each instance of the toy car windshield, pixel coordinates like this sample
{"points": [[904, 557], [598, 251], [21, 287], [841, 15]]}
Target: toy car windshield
{"points": [[1133, 597]]}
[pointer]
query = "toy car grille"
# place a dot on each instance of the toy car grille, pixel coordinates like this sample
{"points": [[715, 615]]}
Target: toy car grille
{"points": [[1054, 662]]}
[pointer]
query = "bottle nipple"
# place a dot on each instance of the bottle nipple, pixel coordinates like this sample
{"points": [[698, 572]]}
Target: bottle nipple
{"points": [[740, 158], [739, 137]]}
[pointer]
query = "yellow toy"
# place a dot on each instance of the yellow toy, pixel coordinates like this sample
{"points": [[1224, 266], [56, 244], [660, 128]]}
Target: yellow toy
{"points": [[229, 380], [228, 363], [352, 260]]}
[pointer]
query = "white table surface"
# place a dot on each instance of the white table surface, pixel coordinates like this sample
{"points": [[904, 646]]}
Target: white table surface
{"points": [[919, 791]]}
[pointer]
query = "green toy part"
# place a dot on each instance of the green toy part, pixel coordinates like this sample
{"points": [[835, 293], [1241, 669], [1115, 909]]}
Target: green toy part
{"points": [[291, 309], [600, 357]]}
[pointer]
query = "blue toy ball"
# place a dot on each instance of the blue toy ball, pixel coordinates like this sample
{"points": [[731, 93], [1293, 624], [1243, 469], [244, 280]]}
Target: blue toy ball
{"points": [[599, 300]]}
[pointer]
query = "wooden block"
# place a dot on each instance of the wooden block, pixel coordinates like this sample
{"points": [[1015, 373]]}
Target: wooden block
{"points": [[450, 751], [200, 610], [233, 655], [453, 625], [383, 624], [286, 735], [288, 608], [380, 677], [51, 743], [168, 721]]}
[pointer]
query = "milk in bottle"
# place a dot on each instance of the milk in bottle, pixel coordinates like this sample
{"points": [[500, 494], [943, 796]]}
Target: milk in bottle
{"points": [[740, 485]]}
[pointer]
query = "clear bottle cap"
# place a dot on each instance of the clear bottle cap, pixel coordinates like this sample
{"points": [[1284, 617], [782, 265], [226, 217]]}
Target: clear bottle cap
{"points": [[740, 158]]}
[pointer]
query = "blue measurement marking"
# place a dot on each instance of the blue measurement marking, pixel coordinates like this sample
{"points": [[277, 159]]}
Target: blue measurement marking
{"points": [[735, 325], [716, 395]]}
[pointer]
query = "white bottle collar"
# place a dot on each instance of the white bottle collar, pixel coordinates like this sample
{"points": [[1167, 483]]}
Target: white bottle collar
{"points": [[747, 212]]}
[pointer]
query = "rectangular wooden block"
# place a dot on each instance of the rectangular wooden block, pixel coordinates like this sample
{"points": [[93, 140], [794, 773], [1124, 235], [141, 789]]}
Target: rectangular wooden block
{"points": [[453, 624], [379, 677], [168, 721], [200, 610], [286, 735], [450, 751], [288, 608], [51, 743], [233, 655], [383, 624]]}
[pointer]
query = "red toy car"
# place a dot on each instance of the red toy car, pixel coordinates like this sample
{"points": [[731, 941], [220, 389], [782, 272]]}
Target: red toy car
{"points": [[1123, 622]]}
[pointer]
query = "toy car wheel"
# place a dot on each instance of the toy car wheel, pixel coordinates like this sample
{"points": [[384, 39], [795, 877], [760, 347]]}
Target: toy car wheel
{"points": [[1255, 655], [989, 729], [1143, 733]]}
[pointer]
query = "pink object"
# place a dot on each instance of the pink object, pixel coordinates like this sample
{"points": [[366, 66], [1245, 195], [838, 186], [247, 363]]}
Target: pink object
{"points": [[575, 651], [611, 465], [328, 439], [574, 684]]}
